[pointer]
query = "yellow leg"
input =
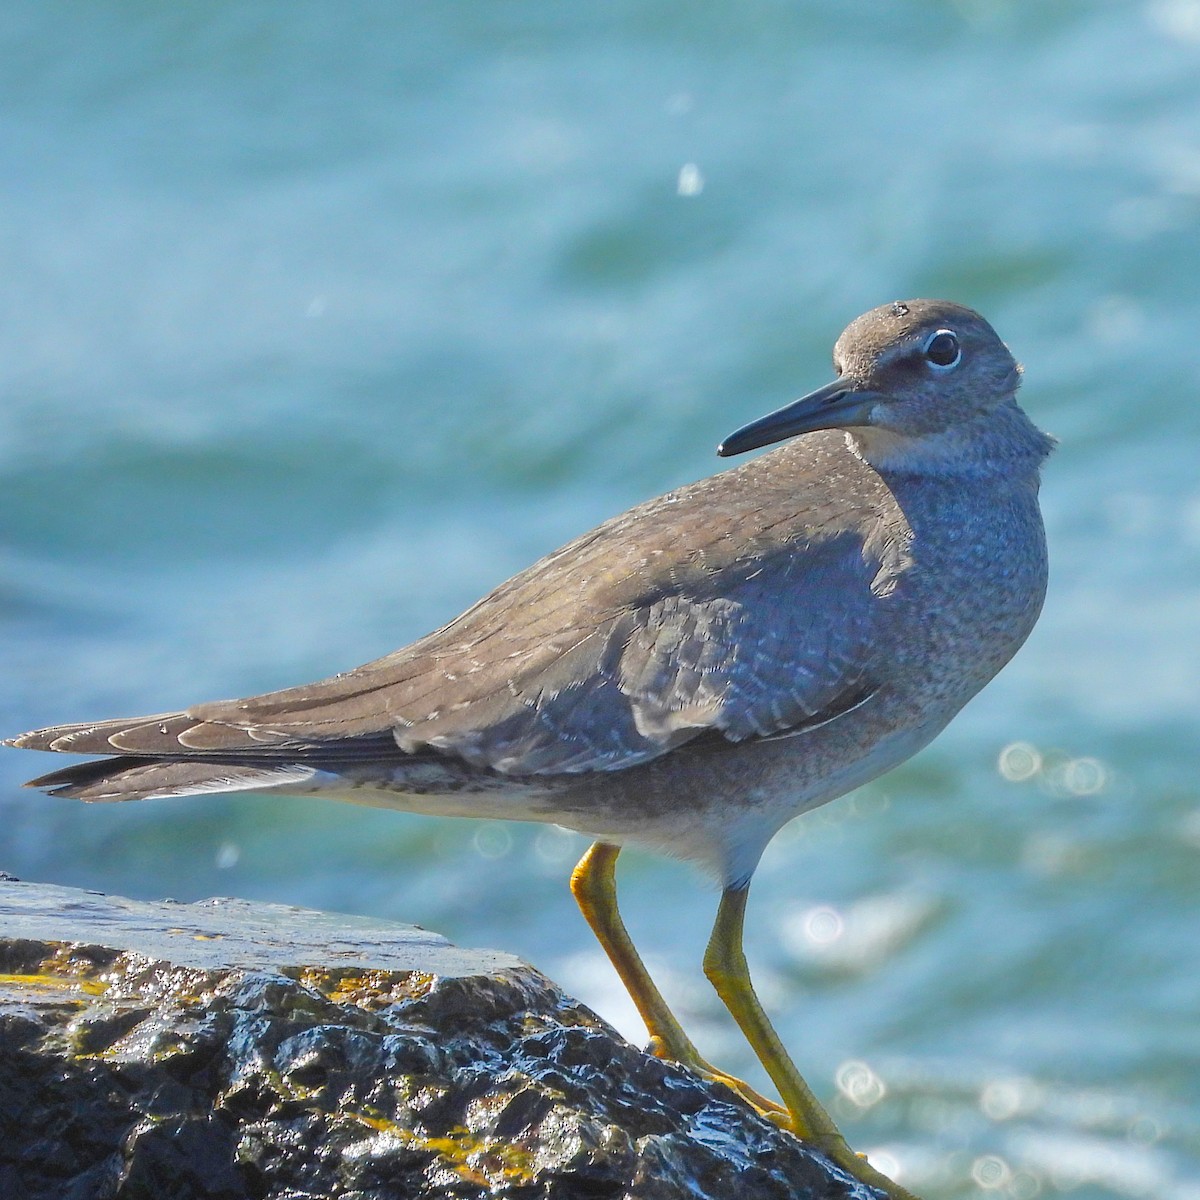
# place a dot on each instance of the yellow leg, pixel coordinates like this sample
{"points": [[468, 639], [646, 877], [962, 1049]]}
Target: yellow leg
{"points": [[593, 884], [726, 967]]}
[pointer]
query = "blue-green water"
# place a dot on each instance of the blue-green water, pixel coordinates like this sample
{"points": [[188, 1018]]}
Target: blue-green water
{"points": [[317, 321]]}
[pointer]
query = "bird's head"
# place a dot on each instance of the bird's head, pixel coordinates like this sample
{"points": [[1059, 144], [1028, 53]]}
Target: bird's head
{"points": [[908, 370]]}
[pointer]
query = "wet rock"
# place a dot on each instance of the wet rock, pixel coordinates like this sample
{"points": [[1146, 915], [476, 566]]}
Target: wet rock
{"points": [[230, 1051]]}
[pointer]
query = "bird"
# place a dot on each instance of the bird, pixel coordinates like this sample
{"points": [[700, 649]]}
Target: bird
{"points": [[694, 673]]}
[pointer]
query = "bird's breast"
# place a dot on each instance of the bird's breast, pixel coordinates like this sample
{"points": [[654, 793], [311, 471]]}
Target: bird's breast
{"points": [[975, 585]]}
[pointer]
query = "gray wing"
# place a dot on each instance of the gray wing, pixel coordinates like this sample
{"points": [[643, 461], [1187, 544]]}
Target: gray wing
{"points": [[656, 676], [634, 639]]}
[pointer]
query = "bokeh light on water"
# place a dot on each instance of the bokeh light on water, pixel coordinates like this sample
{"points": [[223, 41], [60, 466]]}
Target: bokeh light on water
{"points": [[311, 331]]}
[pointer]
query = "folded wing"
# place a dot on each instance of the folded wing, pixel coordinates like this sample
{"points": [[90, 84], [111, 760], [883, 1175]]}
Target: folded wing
{"points": [[666, 623]]}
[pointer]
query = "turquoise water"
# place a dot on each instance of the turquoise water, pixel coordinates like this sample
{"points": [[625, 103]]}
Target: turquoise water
{"points": [[317, 322]]}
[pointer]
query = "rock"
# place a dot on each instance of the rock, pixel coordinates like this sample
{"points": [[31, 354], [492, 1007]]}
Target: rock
{"points": [[230, 1050]]}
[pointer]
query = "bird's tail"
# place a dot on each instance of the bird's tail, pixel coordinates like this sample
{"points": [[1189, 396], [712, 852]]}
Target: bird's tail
{"points": [[150, 757], [130, 777]]}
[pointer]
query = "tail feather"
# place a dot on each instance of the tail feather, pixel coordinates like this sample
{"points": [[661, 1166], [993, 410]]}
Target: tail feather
{"points": [[129, 777], [172, 736], [89, 737]]}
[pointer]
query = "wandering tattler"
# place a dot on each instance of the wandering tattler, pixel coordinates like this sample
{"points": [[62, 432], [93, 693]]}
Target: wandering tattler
{"points": [[695, 672]]}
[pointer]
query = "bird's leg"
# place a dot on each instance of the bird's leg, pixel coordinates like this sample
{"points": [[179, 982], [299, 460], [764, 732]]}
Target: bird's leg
{"points": [[727, 970], [593, 884]]}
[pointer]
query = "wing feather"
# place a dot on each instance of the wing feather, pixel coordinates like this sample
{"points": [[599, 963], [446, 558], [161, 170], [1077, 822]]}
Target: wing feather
{"points": [[668, 622]]}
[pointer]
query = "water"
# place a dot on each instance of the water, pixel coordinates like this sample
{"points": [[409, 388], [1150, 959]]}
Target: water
{"points": [[315, 325]]}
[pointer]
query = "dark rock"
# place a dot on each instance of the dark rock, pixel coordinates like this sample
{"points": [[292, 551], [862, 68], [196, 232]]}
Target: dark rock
{"points": [[237, 1051]]}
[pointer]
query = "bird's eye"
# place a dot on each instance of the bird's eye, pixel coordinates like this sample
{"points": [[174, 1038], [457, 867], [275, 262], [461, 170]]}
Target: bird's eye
{"points": [[942, 349]]}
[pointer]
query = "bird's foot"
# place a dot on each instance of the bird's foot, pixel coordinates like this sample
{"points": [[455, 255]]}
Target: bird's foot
{"points": [[838, 1151], [815, 1129], [774, 1112]]}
